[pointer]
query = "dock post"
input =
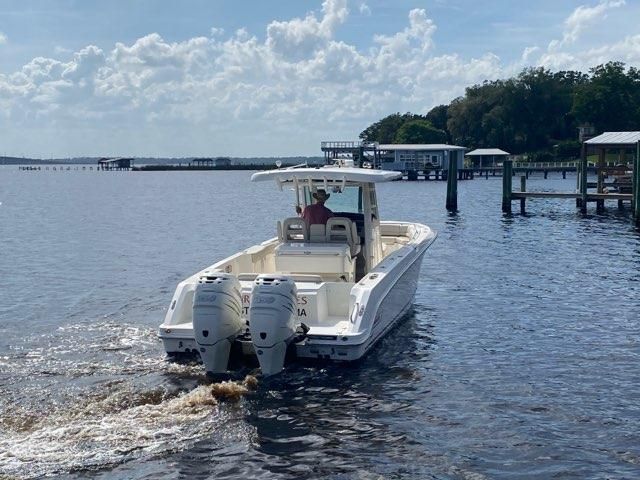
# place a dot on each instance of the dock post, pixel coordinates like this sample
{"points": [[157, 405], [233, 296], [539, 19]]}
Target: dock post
{"points": [[578, 201], [564, 174], [600, 183], [452, 181], [635, 200], [583, 179], [523, 188], [507, 169]]}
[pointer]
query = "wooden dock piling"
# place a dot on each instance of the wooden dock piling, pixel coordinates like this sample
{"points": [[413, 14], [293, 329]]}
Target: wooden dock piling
{"points": [[507, 178], [523, 188], [583, 179], [635, 200], [452, 182]]}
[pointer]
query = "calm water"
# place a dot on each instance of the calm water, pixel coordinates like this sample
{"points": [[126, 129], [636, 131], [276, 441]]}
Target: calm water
{"points": [[520, 359]]}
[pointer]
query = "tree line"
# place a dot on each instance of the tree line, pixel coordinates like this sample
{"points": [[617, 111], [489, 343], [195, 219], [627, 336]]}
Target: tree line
{"points": [[536, 113]]}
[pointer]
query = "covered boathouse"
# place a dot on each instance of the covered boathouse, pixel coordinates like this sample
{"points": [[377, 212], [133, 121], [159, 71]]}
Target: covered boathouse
{"points": [[420, 157], [115, 164], [486, 157]]}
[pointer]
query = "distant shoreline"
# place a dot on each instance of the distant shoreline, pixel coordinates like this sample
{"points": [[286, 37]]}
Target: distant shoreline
{"points": [[239, 163], [163, 168]]}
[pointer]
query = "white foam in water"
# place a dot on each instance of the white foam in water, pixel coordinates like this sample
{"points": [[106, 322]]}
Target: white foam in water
{"points": [[90, 436], [107, 422]]}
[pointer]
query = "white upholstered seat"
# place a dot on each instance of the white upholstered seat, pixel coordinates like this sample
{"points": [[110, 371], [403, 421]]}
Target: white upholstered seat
{"points": [[293, 229], [317, 233], [343, 230]]}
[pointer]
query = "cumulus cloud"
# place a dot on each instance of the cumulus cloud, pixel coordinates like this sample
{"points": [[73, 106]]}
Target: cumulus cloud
{"points": [[626, 50], [417, 36], [301, 37], [581, 18], [571, 52], [239, 93], [3, 38], [364, 9]]}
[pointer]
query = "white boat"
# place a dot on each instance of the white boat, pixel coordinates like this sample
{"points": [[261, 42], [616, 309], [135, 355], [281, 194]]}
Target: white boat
{"points": [[316, 291]]}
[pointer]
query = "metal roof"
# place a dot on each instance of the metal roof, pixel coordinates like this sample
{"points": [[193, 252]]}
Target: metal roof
{"points": [[426, 147], [615, 138], [487, 151], [320, 174]]}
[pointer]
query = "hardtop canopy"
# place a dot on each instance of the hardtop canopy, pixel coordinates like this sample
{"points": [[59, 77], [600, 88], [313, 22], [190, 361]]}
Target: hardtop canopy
{"points": [[326, 174]]}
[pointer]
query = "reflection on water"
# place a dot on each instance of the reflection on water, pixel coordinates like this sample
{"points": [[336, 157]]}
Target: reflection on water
{"points": [[519, 358]]}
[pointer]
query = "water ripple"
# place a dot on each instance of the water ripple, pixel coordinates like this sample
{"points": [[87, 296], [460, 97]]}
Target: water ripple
{"points": [[519, 359]]}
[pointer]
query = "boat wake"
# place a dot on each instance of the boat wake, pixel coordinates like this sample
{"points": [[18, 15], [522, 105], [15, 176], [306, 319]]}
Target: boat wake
{"points": [[61, 416]]}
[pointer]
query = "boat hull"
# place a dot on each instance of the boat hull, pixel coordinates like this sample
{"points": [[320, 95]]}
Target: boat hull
{"points": [[396, 299]]}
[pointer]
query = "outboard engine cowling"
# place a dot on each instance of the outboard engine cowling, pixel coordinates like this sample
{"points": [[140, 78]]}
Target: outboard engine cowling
{"points": [[217, 309], [273, 318]]}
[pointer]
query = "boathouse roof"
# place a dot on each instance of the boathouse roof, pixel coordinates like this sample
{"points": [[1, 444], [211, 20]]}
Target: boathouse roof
{"points": [[487, 151], [113, 160], [615, 138]]}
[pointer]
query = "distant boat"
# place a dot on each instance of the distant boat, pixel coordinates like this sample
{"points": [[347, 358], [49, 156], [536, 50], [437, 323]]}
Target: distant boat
{"points": [[316, 291]]}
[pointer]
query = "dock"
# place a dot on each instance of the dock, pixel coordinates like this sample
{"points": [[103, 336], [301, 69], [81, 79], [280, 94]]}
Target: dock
{"points": [[627, 144]]}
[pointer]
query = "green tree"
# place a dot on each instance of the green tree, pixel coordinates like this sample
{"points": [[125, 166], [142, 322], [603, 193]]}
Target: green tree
{"points": [[537, 111], [527, 113], [419, 131], [437, 117], [384, 131], [611, 98]]}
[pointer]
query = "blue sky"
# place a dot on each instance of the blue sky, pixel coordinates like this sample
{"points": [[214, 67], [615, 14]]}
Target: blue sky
{"points": [[244, 78]]}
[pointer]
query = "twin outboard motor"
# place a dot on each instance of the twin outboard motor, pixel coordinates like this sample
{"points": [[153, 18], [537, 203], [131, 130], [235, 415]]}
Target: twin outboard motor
{"points": [[273, 318], [217, 321]]}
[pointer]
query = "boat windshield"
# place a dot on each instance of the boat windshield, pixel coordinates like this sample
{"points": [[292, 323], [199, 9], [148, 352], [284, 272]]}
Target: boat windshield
{"points": [[345, 200]]}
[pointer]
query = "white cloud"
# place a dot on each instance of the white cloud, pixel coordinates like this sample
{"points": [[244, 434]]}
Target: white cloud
{"points": [[364, 9], [571, 52], [238, 94], [581, 18], [416, 37], [3, 38], [299, 38], [528, 54], [626, 50]]}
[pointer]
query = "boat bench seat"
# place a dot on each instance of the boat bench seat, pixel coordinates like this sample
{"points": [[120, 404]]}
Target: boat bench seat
{"points": [[329, 260], [297, 277]]}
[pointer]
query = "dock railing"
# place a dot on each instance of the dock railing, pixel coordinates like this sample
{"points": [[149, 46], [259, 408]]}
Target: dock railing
{"points": [[543, 165]]}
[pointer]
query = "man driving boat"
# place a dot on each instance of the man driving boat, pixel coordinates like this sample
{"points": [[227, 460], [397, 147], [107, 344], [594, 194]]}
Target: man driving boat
{"points": [[316, 213]]}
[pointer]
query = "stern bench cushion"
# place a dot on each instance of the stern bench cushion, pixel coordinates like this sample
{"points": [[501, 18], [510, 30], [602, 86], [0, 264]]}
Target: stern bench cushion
{"points": [[315, 258]]}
